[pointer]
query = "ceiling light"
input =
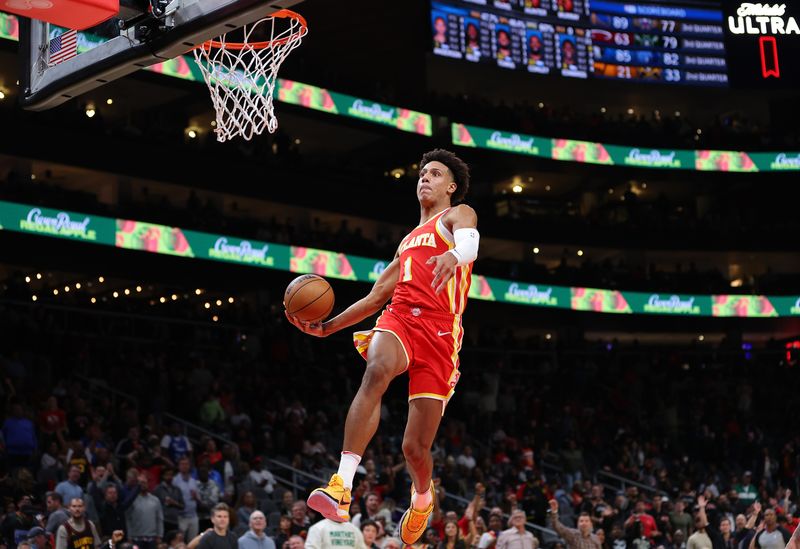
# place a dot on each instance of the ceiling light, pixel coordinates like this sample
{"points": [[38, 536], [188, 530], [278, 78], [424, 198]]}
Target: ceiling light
{"points": [[192, 134], [207, 305], [603, 109], [90, 112], [101, 279], [630, 110], [162, 299], [115, 294], [28, 279], [701, 337], [93, 300], [34, 298], [77, 285], [580, 253], [198, 291], [547, 187], [38, 276], [55, 292], [517, 188], [109, 101], [138, 288], [2, 94], [174, 297], [215, 318], [219, 303], [536, 250], [66, 288], [230, 300]]}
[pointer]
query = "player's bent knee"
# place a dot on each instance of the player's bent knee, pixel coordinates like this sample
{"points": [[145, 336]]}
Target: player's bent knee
{"points": [[378, 375]]}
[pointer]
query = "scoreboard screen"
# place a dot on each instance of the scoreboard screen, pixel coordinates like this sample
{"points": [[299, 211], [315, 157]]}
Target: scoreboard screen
{"points": [[672, 43]]}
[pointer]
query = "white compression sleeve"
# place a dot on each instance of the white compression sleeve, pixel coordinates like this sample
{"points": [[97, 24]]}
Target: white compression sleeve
{"points": [[466, 250]]}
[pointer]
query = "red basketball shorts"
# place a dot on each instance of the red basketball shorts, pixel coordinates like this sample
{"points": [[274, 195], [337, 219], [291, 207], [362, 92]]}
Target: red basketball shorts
{"points": [[431, 341]]}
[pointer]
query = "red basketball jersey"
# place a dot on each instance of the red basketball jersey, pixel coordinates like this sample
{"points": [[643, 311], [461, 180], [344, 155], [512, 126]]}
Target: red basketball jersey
{"points": [[413, 288]]}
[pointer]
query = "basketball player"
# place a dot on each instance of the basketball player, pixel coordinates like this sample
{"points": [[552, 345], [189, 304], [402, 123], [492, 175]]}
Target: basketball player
{"points": [[419, 332]]}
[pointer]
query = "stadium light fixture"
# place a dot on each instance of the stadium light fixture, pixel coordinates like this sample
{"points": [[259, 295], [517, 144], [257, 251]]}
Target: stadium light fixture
{"points": [[517, 188], [536, 249], [580, 253], [90, 110]]}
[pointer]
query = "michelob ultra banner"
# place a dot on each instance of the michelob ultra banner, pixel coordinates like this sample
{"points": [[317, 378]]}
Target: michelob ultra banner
{"points": [[320, 99], [26, 218]]}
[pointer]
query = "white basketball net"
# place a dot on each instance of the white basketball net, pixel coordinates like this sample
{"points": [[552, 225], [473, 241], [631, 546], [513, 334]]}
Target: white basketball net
{"points": [[242, 79]]}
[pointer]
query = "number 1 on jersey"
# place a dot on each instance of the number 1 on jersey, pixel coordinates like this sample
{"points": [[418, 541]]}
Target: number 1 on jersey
{"points": [[407, 270]]}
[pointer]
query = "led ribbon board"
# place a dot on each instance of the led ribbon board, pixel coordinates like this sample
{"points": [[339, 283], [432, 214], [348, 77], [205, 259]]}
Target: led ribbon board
{"points": [[159, 239]]}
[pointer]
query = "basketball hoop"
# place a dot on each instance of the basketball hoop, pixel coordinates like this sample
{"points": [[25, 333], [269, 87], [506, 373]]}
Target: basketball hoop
{"points": [[241, 76]]}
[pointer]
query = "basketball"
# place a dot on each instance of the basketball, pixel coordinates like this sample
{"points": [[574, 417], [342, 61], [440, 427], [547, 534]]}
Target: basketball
{"points": [[309, 298]]}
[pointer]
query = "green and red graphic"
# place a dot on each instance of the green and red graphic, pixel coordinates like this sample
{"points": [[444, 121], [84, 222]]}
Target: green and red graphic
{"points": [[320, 262], [461, 135], [305, 95], [724, 161], [9, 27], [747, 306], [599, 301], [581, 151], [480, 289], [160, 239]]}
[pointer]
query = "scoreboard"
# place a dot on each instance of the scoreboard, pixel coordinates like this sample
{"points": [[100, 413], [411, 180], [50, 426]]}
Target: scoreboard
{"points": [[671, 43]]}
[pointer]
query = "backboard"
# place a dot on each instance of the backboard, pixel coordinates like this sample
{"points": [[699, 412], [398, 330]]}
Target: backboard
{"points": [[145, 33]]}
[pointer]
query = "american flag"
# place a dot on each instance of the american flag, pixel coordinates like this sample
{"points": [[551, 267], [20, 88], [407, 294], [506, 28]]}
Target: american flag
{"points": [[63, 47]]}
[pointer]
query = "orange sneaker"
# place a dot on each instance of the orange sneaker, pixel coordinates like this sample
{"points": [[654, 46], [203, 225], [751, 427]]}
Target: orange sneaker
{"points": [[332, 501], [413, 522]]}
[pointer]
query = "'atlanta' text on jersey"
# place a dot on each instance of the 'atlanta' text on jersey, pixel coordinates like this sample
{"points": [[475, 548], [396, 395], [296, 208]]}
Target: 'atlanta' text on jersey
{"points": [[413, 288]]}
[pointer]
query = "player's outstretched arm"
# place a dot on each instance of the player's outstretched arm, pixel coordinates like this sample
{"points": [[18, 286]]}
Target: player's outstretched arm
{"points": [[358, 311], [463, 223]]}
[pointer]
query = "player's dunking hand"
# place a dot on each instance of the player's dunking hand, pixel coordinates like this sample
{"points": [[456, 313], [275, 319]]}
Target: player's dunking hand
{"points": [[444, 270], [315, 329]]}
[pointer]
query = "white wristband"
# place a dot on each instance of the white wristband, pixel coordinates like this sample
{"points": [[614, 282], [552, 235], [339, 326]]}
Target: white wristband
{"points": [[466, 249]]}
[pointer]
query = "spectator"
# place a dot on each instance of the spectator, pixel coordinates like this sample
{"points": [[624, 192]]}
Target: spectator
{"points": [[19, 436], [145, 518], [680, 519], [516, 537], [207, 493], [110, 510], [489, 538], [78, 531], [38, 538], [187, 519], [295, 542], [52, 420], [372, 510], [171, 499], [255, 538], [246, 507], [452, 537], [746, 492], [369, 530], [466, 459], [56, 514], [176, 444], [174, 539], [220, 537], [640, 517], [128, 447], [16, 520], [71, 489], [580, 538], [770, 536], [285, 531], [327, 534], [701, 539], [300, 522], [261, 477]]}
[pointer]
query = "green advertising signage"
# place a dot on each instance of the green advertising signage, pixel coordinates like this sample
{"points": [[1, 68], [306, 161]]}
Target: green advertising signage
{"points": [[162, 239], [589, 152]]}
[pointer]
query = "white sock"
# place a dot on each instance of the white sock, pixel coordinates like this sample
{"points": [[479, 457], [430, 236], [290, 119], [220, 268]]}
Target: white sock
{"points": [[421, 500], [347, 468]]}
